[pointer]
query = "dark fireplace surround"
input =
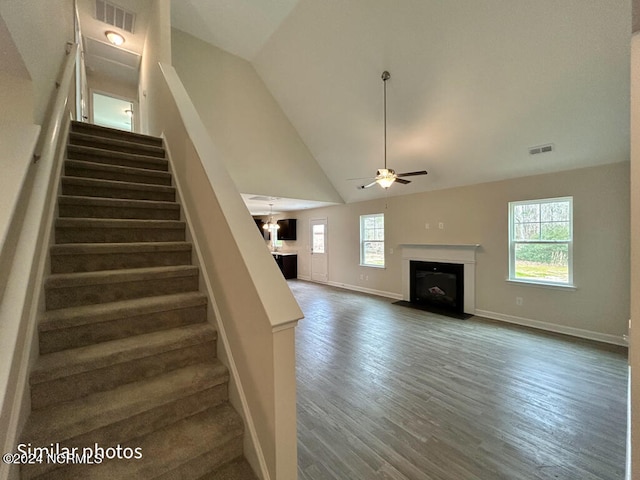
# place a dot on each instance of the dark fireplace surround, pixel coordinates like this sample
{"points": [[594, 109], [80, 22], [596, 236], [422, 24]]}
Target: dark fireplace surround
{"points": [[437, 287]]}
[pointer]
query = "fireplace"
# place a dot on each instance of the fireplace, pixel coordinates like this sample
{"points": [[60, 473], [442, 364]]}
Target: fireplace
{"points": [[437, 286], [460, 256]]}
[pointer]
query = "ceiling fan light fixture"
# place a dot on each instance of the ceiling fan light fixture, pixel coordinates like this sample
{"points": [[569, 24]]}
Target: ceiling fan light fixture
{"points": [[385, 177], [114, 37]]}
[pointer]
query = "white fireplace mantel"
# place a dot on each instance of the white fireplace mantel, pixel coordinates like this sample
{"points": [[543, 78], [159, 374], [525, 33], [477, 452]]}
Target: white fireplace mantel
{"points": [[448, 253]]}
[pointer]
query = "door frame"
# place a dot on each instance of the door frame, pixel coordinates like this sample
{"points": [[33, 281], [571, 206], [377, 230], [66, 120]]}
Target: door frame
{"points": [[319, 221], [135, 124]]}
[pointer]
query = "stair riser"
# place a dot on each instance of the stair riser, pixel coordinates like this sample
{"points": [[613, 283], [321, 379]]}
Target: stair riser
{"points": [[111, 192], [76, 386], [63, 297], [75, 171], [82, 335], [118, 235], [88, 129], [123, 160], [98, 142], [112, 261], [90, 211], [199, 466], [124, 432]]}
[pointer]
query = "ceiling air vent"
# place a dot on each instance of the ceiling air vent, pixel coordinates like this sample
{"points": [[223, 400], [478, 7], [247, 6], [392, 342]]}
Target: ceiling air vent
{"points": [[541, 149], [116, 16]]}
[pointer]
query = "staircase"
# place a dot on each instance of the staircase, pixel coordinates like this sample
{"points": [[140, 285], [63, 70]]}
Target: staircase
{"points": [[127, 356]]}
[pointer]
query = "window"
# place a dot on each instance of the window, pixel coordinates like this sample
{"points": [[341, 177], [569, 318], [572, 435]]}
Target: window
{"points": [[372, 240], [541, 241]]}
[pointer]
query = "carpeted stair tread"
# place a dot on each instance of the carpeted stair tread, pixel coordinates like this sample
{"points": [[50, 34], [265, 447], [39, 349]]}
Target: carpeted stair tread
{"points": [[83, 168], [115, 144], [238, 469], [116, 184], [119, 223], [91, 257], [100, 155], [67, 420], [180, 450], [99, 130], [84, 359], [104, 312], [78, 206], [64, 290], [94, 187], [133, 247], [106, 277], [117, 230], [116, 202], [84, 325]]}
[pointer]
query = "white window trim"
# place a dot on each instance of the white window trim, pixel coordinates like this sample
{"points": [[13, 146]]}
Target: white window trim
{"points": [[384, 256], [512, 254]]}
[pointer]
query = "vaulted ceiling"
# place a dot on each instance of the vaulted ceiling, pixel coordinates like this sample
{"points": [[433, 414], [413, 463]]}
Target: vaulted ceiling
{"points": [[474, 83]]}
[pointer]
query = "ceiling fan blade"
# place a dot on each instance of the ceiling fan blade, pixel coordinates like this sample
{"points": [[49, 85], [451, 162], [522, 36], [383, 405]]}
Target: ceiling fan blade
{"points": [[412, 174], [360, 178], [402, 181], [362, 187]]}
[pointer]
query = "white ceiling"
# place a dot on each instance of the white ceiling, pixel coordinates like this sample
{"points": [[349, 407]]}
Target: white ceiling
{"points": [[101, 57], [240, 27], [474, 83], [261, 205]]}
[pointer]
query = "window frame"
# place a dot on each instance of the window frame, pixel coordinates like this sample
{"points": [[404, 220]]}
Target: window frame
{"points": [[363, 240], [513, 243]]}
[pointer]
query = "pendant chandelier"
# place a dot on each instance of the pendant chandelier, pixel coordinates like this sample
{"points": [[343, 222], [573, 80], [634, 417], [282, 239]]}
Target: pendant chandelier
{"points": [[271, 223]]}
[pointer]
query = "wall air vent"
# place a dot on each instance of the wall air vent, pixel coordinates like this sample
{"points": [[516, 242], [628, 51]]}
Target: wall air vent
{"points": [[116, 16], [541, 149]]}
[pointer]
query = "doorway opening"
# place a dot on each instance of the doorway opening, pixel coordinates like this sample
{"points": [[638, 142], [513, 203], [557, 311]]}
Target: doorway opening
{"points": [[112, 112]]}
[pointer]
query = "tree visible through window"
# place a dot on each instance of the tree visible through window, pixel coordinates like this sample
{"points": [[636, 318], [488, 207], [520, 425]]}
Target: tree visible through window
{"points": [[372, 240], [541, 240]]}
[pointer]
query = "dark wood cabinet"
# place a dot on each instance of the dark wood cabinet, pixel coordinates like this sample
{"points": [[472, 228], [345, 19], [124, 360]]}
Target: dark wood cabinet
{"points": [[287, 230], [288, 264]]}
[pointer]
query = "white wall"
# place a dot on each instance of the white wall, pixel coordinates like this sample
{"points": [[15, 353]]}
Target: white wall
{"points": [[157, 48], [40, 31], [479, 214], [261, 149]]}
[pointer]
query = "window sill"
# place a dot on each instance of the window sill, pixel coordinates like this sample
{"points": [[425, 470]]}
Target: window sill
{"points": [[558, 286], [372, 266]]}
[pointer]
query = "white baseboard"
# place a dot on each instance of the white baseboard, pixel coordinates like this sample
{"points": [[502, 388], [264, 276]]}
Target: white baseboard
{"points": [[355, 288], [552, 327], [371, 291]]}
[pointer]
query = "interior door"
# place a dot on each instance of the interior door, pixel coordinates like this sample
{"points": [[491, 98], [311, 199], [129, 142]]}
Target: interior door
{"points": [[319, 251], [111, 111]]}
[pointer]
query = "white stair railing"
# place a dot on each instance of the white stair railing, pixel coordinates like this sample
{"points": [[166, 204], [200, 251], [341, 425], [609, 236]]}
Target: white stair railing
{"points": [[30, 228]]}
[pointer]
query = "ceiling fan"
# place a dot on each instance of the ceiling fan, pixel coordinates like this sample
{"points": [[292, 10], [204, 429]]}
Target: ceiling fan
{"points": [[385, 177]]}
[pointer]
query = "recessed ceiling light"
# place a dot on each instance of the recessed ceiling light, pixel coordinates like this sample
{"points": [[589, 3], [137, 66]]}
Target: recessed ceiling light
{"points": [[114, 38]]}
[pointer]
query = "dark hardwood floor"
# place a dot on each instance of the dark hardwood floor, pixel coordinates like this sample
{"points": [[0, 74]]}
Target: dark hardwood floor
{"points": [[387, 392]]}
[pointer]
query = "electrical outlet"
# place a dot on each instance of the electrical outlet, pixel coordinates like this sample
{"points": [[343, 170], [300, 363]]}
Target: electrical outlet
{"points": [[426, 226], [441, 226], [391, 251], [519, 301], [367, 278]]}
